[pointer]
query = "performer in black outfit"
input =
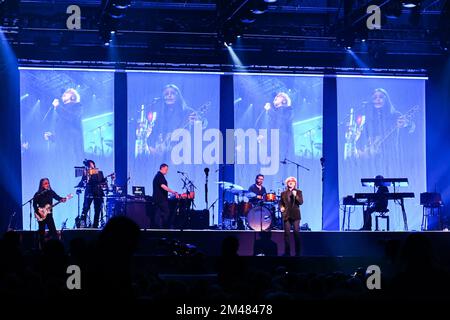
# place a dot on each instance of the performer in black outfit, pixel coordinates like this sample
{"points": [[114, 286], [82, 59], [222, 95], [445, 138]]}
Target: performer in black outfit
{"points": [[93, 180], [379, 205], [290, 202], [42, 197], [160, 197], [258, 188]]}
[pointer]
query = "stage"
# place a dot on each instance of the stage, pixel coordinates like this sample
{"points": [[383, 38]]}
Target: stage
{"points": [[369, 244]]}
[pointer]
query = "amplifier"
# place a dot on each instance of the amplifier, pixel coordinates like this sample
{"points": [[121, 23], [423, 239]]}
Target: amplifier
{"points": [[140, 212], [430, 199], [199, 219]]}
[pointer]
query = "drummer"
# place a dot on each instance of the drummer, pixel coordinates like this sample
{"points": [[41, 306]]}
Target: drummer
{"points": [[258, 188]]}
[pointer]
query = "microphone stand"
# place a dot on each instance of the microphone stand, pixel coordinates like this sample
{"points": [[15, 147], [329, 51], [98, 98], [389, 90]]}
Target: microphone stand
{"points": [[298, 166], [31, 208], [206, 187], [11, 221], [213, 206], [99, 128]]}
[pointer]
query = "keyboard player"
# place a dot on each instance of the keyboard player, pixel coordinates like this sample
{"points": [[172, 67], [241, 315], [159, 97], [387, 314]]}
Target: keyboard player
{"points": [[379, 204]]}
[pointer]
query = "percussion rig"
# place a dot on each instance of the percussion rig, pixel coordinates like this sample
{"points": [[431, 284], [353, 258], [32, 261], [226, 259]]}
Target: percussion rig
{"points": [[247, 211]]}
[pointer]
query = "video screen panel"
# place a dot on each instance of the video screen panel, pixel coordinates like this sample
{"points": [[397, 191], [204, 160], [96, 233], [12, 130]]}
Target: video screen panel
{"points": [[171, 119], [66, 116], [278, 122], [381, 132]]}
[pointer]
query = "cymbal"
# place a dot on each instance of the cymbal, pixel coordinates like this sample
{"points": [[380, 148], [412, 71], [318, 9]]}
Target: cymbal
{"points": [[243, 193], [249, 194], [230, 186]]}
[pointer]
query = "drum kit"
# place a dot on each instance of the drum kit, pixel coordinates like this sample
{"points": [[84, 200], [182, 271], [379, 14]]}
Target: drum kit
{"points": [[247, 211]]}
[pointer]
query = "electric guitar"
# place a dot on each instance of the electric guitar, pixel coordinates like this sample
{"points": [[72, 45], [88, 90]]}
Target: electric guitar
{"points": [[42, 213], [164, 142], [375, 143]]}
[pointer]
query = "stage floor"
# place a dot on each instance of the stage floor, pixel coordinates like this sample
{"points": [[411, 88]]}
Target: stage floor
{"points": [[251, 243]]}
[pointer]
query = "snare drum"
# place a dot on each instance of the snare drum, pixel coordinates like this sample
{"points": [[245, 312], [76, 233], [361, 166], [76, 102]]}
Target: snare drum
{"points": [[259, 218], [270, 197]]}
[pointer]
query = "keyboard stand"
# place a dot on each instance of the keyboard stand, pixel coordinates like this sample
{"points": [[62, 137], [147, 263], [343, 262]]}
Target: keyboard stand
{"points": [[405, 220]]}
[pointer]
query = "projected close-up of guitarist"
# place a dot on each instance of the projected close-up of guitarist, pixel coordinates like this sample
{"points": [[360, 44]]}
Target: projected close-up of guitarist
{"points": [[153, 133], [381, 128], [43, 205]]}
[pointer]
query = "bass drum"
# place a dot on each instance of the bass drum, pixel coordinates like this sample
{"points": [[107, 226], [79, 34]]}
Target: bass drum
{"points": [[259, 219]]}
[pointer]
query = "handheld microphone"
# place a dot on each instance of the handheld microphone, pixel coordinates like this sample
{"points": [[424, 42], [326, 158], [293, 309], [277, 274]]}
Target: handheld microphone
{"points": [[206, 171]]}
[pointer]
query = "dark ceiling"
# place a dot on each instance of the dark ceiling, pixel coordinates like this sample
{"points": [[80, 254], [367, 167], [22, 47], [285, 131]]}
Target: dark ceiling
{"points": [[292, 32]]}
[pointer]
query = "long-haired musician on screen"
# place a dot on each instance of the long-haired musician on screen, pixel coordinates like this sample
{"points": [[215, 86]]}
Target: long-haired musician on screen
{"points": [[164, 115], [290, 202], [378, 131]]}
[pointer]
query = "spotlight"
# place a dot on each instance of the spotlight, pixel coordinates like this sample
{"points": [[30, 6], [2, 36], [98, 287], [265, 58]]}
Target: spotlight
{"points": [[270, 1], [122, 4], [259, 7], [116, 13], [113, 32], [267, 106], [411, 3], [248, 18], [393, 10], [229, 35]]}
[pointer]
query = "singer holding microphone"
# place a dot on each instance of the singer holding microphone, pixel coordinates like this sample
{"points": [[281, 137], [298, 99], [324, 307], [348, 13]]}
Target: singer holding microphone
{"points": [[290, 202], [64, 128], [161, 192]]}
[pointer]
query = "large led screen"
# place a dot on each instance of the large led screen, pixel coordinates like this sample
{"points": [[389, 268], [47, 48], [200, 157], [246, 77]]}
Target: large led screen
{"points": [[381, 132], [278, 133], [66, 117]]}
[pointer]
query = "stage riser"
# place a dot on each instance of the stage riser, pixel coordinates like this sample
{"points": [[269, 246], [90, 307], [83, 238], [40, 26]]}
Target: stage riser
{"points": [[327, 244]]}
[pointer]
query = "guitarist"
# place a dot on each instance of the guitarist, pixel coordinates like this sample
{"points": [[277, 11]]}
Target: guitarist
{"points": [[44, 196], [172, 113], [379, 132]]}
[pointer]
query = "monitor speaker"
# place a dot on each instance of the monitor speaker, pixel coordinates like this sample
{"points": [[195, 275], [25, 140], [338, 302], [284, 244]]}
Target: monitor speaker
{"points": [[140, 212], [199, 219]]}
